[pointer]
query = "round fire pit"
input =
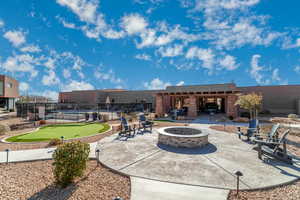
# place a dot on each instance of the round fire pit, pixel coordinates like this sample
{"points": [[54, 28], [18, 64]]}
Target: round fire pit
{"points": [[182, 136]]}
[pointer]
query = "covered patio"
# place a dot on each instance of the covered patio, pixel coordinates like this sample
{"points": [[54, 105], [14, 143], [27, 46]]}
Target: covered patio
{"points": [[197, 99]]}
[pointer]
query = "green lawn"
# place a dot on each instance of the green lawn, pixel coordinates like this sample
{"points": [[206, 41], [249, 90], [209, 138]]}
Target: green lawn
{"points": [[69, 131]]}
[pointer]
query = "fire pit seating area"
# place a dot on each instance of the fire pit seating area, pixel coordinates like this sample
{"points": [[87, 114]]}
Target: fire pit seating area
{"points": [[186, 137]]}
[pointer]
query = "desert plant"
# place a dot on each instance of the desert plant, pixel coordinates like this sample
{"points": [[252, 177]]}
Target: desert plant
{"points": [[293, 116], [70, 162], [251, 102], [4, 128], [55, 142], [42, 122], [105, 117]]}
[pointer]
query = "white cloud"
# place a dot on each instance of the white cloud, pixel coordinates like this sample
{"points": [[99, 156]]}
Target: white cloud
{"points": [[143, 57], [66, 73], [95, 23], [1, 23], [86, 10], [21, 63], [242, 33], [205, 55], [50, 79], [31, 49], [24, 86], [156, 84], [180, 83], [171, 51], [77, 85], [134, 23], [297, 69], [50, 63], [53, 95], [255, 71], [229, 63], [107, 76], [276, 77], [15, 37], [163, 35]]}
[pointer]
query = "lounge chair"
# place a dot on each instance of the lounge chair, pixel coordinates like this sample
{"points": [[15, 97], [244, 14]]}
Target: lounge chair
{"points": [[126, 130], [274, 149], [272, 136], [144, 123], [252, 130]]}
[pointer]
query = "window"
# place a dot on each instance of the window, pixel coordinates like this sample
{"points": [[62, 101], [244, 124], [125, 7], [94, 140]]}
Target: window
{"points": [[1, 88], [9, 85]]}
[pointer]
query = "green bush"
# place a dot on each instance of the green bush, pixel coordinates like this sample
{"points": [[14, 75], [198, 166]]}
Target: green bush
{"points": [[55, 142], [70, 161], [293, 116], [4, 128]]}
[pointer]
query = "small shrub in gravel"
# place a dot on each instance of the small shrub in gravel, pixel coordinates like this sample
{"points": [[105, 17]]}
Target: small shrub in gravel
{"points": [[293, 116], [70, 160], [4, 128], [55, 142]]}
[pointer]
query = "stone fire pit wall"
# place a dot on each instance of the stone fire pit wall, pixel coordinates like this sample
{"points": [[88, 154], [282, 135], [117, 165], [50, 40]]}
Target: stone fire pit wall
{"points": [[186, 137]]}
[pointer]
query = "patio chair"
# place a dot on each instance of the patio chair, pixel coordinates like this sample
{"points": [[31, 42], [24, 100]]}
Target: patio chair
{"points": [[126, 130], [252, 130], [272, 136], [274, 149], [144, 123]]}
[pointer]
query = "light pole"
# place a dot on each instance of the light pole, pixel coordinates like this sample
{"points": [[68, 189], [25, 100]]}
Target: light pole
{"points": [[238, 174], [97, 156], [7, 150]]}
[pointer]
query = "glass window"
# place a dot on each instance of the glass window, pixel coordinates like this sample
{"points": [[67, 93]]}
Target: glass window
{"points": [[1, 88], [9, 85]]}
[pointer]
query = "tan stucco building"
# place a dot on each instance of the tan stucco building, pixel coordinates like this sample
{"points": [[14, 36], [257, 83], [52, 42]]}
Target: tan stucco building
{"points": [[9, 91], [193, 99]]}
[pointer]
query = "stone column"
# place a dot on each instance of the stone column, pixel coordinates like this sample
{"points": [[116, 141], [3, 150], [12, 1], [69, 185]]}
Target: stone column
{"points": [[231, 109], [192, 108], [159, 105]]}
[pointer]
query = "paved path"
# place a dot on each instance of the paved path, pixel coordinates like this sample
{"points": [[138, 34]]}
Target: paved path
{"points": [[211, 166], [35, 154], [145, 189]]}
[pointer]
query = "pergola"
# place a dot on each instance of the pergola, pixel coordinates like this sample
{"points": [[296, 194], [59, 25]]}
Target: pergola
{"points": [[195, 96]]}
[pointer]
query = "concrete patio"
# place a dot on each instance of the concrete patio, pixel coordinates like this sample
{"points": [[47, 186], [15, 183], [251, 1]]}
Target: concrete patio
{"points": [[212, 166]]}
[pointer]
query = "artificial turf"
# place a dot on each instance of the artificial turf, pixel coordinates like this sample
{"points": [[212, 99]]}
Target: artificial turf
{"points": [[68, 131]]}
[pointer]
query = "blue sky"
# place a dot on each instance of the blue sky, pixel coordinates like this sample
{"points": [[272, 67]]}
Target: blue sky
{"points": [[64, 45]]}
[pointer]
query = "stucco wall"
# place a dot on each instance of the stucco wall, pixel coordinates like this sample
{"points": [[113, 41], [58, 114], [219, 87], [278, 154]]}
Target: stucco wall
{"points": [[277, 99]]}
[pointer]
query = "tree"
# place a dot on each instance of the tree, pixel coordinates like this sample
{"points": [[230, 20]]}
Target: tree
{"points": [[251, 102]]}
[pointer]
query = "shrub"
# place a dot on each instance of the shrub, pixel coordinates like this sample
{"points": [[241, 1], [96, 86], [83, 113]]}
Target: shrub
{"points": [[105, 117], [245, 114], [4, 128], [55, 142], [42, 122], [293, 116], [70, 162], [241, 119]]}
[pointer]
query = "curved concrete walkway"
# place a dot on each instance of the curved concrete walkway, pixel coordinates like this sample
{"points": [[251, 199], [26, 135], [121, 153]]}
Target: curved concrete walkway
{"points": [[212, 166]]}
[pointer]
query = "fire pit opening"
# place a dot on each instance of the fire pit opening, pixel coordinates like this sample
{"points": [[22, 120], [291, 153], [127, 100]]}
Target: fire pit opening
{"points": [[187, 137]]}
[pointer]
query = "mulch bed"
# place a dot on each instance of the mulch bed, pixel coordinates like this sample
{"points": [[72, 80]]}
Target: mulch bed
{"points": [[34, 181]]}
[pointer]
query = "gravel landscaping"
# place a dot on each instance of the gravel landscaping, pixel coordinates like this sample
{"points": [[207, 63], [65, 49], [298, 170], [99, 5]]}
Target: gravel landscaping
{"points": [[34, 180], [288, 192]]}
